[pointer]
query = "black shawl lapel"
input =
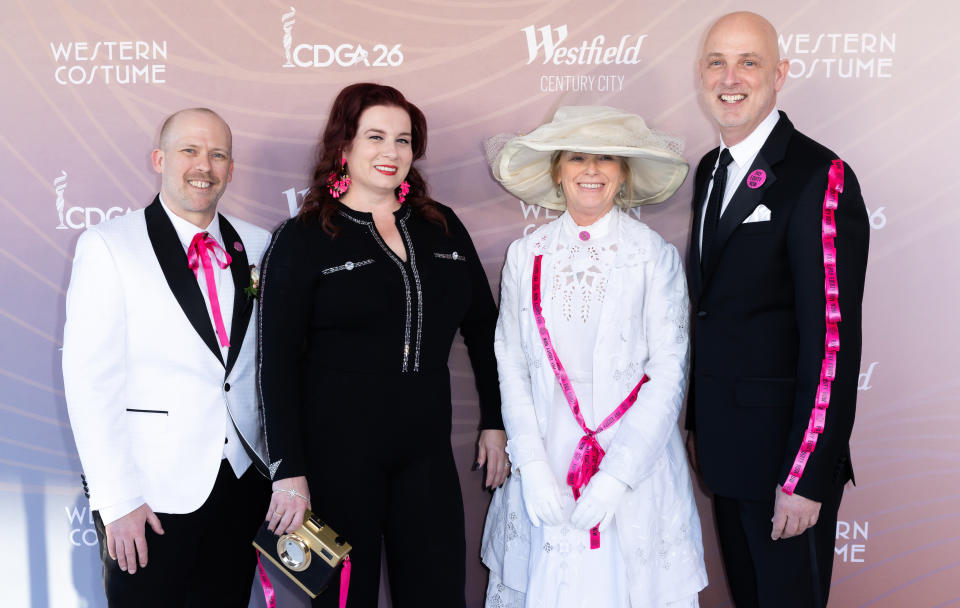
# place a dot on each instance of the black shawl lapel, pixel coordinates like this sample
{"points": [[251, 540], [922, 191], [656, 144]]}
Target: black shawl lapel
{"points": [[746, 199], [242, 303], [182, 281], [704, 174]]}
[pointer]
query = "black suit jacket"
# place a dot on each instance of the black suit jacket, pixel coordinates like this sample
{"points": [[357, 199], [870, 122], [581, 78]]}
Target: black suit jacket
{"points": [[759, 324]]}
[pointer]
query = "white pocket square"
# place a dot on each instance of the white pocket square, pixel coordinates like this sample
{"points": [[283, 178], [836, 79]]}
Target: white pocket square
{"points": [[760, 214]]}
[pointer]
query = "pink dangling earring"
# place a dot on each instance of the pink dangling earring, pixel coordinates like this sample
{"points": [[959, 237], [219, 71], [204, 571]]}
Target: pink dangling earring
{"points": [[338, 184], [404, 191]]}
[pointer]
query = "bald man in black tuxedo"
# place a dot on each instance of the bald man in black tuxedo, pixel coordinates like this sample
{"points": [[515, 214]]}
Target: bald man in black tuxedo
{"points": [[776, 271]]}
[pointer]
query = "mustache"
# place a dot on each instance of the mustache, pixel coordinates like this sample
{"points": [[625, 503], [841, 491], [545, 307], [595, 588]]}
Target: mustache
{"points": [[203, 177]]}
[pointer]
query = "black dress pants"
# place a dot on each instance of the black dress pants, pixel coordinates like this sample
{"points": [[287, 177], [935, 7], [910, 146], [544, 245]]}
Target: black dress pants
{"points": [[786, 573], [381, 473], [204, 558], [413, 506]]}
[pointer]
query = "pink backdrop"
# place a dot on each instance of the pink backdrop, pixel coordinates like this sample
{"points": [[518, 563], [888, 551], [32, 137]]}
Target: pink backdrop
{"points": [[88, 82]]}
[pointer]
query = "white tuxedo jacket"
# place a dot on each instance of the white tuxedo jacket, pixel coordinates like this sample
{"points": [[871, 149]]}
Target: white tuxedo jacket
{"points": [[145, 383], [642, 330]]}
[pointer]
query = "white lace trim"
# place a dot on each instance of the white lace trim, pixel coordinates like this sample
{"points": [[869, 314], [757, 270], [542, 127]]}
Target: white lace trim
{"points": [[580, 278]]}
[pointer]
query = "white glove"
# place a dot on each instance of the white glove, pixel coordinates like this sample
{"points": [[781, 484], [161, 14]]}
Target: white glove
{"points": [[541, 494], [598, 502]]}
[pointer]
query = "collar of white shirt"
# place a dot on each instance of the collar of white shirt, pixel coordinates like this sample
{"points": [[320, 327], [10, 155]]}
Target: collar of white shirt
{"points": [[599, 229], [744, 152], [186, 230], [743, 155]]}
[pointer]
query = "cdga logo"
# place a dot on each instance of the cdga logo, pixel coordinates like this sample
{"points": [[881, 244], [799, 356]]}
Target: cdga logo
{"points": [[323, 55], [78, 218]]}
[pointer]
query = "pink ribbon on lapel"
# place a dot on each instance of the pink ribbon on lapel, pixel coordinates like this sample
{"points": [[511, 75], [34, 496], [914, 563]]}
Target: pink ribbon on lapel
{"points": [[201, 248]]}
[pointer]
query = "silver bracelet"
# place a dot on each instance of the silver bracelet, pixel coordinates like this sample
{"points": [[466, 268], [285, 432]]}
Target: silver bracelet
{"points": [[291, 492]]}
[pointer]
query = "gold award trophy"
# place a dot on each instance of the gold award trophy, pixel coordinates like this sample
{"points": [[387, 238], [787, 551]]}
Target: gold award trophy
{"points": [[293, 553]]}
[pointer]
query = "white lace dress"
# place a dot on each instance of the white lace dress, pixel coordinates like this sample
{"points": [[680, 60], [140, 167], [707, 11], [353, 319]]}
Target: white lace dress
{"points": [[562, 570]]}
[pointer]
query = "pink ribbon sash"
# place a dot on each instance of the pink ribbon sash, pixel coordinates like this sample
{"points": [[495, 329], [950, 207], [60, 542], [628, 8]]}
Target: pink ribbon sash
{"points": [[201, 248], [831, 288], [587, 456]]}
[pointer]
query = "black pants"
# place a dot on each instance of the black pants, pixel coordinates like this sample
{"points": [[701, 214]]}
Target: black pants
{"points": [[786, 573], [381, 473], [413, 505], [204, 558]]}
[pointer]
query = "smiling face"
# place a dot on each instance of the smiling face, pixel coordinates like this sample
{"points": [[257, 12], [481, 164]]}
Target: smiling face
{"points": [[380, 155], [589, 182], [195, 162], [741, 73]]}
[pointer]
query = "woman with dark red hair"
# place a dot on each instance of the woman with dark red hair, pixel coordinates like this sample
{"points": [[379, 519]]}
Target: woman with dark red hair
{"points": [[360, 297]]}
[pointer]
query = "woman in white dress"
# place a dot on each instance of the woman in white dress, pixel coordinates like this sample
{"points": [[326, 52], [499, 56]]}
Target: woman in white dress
{"points": [[592, 349]]}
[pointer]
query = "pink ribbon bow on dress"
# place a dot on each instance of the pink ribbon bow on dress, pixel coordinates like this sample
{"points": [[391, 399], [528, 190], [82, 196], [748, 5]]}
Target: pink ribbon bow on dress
{"points": [[201, 248], [585, 463]]}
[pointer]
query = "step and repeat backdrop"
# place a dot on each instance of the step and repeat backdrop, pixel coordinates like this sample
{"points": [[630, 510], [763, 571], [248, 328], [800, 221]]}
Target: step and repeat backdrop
{"points": [[88, 82]]}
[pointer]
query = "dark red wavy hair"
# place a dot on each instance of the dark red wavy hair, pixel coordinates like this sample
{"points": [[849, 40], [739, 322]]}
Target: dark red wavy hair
{"points": [[337, 136]]}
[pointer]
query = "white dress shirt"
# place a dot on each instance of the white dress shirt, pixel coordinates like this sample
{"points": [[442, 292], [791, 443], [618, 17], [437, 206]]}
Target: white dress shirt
{"points": [[743, 153], [223, 279]]}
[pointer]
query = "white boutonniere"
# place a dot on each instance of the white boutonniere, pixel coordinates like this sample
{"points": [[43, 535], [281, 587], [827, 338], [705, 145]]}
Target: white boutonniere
{"points": [[252, 289]]}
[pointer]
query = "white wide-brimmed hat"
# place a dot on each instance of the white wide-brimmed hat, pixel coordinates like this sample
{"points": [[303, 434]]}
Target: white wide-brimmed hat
{"points": [[523, 163]]}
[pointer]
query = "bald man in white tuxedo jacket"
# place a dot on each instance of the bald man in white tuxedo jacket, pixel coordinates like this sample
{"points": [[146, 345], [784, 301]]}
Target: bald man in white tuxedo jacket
{"points": [[158, 365]]}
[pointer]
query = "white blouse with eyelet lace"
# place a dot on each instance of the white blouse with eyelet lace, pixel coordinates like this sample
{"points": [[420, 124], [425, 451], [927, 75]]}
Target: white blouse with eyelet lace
{"points": [[553, 566], [563, 570]]}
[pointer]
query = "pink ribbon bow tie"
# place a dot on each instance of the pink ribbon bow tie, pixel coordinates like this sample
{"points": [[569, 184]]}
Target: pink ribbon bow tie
{"points": [[201, 248]]}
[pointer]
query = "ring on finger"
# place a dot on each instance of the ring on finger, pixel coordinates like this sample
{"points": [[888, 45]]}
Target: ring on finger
{"points": [[276, 513]]}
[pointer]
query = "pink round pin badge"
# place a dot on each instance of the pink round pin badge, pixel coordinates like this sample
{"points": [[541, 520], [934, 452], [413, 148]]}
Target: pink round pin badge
{"points": [[238, 245], [756, 179], [584, 235]]}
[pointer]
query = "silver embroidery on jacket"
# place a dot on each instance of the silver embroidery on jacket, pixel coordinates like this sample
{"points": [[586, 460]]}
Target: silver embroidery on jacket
{"points": [[403, 273], [348, 265], [259, 359], [416, 280], [273, 468], [451, 256]]}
